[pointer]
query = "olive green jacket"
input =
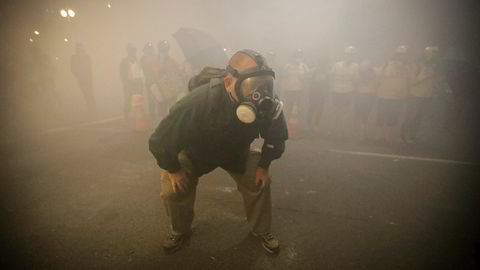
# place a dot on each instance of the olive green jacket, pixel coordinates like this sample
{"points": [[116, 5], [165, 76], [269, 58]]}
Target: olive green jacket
{"points": [[205, 126]]}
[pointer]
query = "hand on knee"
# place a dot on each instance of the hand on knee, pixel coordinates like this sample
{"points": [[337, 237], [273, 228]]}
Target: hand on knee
{"points": [[262, 178], [179, 181]]}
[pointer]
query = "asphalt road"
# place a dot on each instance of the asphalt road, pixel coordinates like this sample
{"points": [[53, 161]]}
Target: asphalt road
{"points": [[87, 197]]}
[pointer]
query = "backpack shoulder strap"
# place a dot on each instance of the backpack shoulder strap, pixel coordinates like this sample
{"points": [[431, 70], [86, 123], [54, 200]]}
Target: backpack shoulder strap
{"points": [[205, 76], [215, 82]]}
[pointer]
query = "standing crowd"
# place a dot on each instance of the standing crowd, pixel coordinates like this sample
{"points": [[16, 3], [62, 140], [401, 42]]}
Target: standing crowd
{"points": [[156, 74], [352, 97], [398, 93]]}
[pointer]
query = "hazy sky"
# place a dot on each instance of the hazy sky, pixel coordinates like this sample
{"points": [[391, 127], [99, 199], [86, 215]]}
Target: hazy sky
{"points": [[319, 27], [274, 25]]}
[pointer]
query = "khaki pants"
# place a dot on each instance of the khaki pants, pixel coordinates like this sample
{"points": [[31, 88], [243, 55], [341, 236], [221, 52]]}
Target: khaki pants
{"points": [[257, 201]]}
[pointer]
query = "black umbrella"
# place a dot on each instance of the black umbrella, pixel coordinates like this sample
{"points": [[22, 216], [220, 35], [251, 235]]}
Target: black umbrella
{"points": [[200, 48]]}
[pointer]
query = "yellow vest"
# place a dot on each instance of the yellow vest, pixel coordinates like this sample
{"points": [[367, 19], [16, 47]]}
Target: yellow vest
{"points": [[394, 81], [424, 83], [343, 77]]}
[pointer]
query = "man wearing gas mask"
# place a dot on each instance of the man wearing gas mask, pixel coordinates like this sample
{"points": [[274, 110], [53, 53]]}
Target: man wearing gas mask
{"points": [[213, 126]]}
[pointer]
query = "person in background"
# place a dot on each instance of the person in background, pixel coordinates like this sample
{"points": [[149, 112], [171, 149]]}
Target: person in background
{"points": [[343, 79], [294, 83], [132, 78], [364, 97], [171, 78], [462, 95], [317, 94], [147, 62], [81, 68], [273, 62], [426, 80], [394, 82], [188, 71], [272, 58]]}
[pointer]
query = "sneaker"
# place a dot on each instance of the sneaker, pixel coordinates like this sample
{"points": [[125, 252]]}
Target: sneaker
{"points": [[174, 242], [268, 241]]}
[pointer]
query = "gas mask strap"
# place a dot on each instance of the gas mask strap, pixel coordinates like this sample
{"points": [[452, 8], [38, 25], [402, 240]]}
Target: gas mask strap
{"points": [[258, 58], [233, 71]]}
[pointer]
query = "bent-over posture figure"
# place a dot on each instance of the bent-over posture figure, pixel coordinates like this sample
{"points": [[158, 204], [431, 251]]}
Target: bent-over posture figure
{"points": [[212, 127]]}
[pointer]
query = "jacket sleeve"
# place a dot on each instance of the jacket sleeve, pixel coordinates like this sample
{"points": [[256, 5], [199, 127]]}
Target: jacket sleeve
{"points": [[274, 141], [171, 136]]}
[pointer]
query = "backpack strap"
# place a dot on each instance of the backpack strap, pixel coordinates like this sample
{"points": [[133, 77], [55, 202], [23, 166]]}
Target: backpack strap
{"points": [[205, 76], [215, 82]]}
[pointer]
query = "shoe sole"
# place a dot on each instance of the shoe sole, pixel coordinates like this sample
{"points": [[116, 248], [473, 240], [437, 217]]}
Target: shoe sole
{"points": [[267, 249], [182, 243], [175, 249], [270, 251], [170, 251]]}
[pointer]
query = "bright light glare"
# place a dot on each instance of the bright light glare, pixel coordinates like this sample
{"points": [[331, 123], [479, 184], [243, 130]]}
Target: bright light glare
{"points": [[64, 13], [65, 39], [109, 5], [225, 49], [36, 32], [71, 13], [30, 39]]}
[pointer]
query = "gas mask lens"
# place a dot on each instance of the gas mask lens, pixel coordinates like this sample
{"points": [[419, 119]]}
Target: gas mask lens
{"points": [[256, 84], [258, 99]]}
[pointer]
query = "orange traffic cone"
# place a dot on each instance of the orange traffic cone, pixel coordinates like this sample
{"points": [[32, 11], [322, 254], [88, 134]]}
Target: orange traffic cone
{"points": [[140, 118], [293, 127]]}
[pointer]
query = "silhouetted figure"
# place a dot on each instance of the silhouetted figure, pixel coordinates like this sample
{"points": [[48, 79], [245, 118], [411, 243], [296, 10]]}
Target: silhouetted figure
{"points": [[365, 97], [343, 79], [81, 67], [171, 78], [132, 78], [317, 94], [295, 83], [150, 72], [463, 96], [426, 81], [394, 81], [273, 62]]}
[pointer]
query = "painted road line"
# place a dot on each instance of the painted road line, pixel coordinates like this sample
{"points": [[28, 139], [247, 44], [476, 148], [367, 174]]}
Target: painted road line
{"points": [[67, 128], [356, 153]]}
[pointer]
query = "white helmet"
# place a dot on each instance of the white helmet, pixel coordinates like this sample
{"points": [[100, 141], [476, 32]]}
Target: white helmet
{"points": [[350, 50], [431, 49], [401, 49], [431, 52]]}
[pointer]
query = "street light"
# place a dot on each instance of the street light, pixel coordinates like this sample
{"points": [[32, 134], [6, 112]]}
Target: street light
{"points": [[36, 32], [67, 13], [109, 5], [30, 39], [65, 39]]}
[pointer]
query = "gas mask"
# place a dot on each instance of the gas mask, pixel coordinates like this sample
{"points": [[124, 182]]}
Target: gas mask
{"points": [[254, 89]]}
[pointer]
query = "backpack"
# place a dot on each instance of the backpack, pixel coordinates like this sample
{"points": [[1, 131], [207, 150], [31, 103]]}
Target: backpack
{"points": [[205, 76]]}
